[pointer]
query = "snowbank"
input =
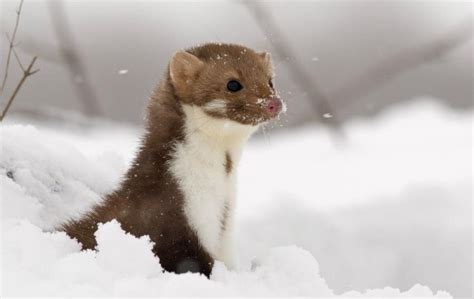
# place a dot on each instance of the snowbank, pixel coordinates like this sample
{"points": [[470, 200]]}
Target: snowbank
{"points": [[50, 264], [356, 207], [389, 205]]}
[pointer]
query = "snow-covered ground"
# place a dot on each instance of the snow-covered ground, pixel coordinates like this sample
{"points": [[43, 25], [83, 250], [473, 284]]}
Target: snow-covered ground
{"points": [[390, 205]]}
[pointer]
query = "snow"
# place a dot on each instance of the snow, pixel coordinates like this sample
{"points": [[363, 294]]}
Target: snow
{"points": [[327, 115], [388, 206]]}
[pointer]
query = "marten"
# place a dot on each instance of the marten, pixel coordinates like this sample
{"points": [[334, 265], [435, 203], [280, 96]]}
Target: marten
{"points": [[180, 189]]}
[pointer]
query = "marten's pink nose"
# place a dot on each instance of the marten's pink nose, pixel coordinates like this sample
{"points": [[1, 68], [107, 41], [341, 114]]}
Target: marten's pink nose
{"points": [[274, 106]]}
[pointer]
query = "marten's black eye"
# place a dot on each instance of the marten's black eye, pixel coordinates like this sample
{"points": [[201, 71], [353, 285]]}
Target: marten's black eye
{"points": [[270, 83], [234, 86]]}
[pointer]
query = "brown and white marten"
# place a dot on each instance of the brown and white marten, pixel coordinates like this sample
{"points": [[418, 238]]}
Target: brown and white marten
{"points": [[180, 189]]}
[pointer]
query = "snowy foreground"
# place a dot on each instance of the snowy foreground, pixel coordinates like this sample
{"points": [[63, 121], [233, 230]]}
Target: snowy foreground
{"points": [[388, 206]]}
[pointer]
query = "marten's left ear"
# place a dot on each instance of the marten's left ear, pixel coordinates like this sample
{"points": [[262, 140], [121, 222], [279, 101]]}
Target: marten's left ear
{"points": [[183, 68], [267, 59]]}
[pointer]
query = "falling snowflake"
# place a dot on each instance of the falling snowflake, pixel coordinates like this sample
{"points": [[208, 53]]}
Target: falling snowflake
{"points": [[327, 115]]}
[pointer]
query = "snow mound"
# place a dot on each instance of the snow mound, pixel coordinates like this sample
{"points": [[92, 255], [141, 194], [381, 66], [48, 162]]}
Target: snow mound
{"points": [[48, 178], [38, 263], [47, 181]]}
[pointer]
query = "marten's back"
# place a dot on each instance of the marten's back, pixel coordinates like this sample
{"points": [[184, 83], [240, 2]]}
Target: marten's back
{"points": [[149, 201]]}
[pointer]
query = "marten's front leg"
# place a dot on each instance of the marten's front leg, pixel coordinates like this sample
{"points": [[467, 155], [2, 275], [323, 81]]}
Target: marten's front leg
{"points": [[185, 255]]}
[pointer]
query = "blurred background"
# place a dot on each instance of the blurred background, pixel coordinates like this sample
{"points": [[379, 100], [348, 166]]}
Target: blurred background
{"points": [[335, 60], [357, 69]]}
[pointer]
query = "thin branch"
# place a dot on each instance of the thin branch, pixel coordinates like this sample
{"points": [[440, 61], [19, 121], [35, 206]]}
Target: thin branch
{"points": [[14, 52], [10, 49], [26, 74], [393, 66], [282, 47], [18, 60]]}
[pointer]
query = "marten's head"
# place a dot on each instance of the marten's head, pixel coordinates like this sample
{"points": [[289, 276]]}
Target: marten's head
{"points": [[226, 81]]}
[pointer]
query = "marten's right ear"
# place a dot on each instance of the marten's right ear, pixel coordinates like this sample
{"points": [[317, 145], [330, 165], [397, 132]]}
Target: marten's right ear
{"points": [[184, 68]]}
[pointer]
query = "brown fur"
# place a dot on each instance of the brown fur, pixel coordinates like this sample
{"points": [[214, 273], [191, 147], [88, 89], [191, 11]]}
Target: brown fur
{"points": [[148, 201], [253, 70], [228, 163]]}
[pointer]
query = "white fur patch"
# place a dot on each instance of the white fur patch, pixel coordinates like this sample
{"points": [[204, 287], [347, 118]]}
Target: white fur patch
{"points": [[217, 105], [198, 164]]}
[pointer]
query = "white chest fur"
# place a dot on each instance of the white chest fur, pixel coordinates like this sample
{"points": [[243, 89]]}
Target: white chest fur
{"points": [[199, 165]]}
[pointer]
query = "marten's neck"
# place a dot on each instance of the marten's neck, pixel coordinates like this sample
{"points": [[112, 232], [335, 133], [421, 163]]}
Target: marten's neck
{"points": [[164, 128], [172, 124], [218, 133]]}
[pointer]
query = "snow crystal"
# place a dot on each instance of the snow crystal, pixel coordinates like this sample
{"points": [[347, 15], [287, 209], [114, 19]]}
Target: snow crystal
{"points": [[327, 115], [284, 107]]}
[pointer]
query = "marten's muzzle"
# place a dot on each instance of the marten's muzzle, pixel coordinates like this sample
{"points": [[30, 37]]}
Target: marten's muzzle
{"points": [[273, 106]]}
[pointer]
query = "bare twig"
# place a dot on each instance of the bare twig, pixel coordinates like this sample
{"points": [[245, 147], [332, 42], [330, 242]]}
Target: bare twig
{"points": [[281, 45], [26, 73], [76, 68], [393, 66], [18, 60], [14, 52], [10, 49]]}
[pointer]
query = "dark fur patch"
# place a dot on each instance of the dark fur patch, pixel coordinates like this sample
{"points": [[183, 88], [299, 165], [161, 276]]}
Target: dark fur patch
{"points": [[228, 163], [149, 201]]}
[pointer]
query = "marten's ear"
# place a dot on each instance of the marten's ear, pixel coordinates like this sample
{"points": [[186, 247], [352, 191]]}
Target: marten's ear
{"points": [[267, 59], [183, 68]]}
